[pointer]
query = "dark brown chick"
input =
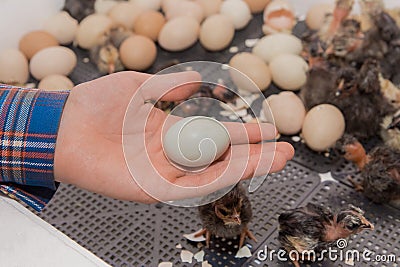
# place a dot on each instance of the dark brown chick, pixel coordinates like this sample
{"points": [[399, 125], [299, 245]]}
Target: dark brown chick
{"points": [[228, 216], [316, 227], [380, 170], [79, 9]]}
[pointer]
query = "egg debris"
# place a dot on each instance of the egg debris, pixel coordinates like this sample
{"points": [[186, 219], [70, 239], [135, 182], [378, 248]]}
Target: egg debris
{"points": [[278, 17]]}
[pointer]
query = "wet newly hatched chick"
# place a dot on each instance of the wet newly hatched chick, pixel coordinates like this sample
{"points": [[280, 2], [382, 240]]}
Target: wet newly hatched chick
{"points": [[228, 216], [316, 227], [380, 170], [390, 131], [106, 54]]}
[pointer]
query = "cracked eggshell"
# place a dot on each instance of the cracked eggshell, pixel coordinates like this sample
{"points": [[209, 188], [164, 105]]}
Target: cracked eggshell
{"points": [[323, 126], [238, 11], [216, 32], [14, 67], [179, 33], [187, 144], [91, 29], [288, 71], [62, 26], [275, 44], [254, 68], [316, 15], [278, 17], [286, 110], [52, 60]]}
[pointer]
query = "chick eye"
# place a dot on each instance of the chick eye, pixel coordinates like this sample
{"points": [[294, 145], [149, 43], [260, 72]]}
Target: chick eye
{"points": [[223, 212], [353, 226]]}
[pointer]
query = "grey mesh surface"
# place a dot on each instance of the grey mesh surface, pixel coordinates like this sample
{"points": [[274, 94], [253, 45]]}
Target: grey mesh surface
{"points": [[131, 234]]}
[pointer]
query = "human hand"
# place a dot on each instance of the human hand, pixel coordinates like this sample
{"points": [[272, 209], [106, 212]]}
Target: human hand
{"points": [[90, 152]]}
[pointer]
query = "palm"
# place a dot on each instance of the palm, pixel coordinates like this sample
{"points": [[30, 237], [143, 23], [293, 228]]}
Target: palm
{"points": [[90, 152]]}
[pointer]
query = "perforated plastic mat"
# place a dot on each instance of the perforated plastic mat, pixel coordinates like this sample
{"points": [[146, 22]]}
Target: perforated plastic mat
{"points": [[132, 234]]}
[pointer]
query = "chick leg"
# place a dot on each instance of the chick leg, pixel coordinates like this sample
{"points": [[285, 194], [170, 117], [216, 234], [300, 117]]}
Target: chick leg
{"points": [[357, 186], [208, 236], [243, 234]]}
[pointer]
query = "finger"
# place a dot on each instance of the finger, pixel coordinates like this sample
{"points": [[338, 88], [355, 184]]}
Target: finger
{"points": [[243, 133], [171, 87]]}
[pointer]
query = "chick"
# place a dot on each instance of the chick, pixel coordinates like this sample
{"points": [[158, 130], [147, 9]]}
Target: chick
{"points": [[390, 131], [315, 227], [106, 54], [79, 9], [228, 216], [380, 170]]}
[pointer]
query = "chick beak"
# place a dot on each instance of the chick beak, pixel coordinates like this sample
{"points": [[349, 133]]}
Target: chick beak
{"points": [[111, 67], [236, 219], [368, 225]]}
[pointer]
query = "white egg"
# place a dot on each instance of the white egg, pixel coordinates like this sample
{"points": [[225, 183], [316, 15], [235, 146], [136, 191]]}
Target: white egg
{"points": [[275, 44], [13, 67], [91, 29], [56, 82], [196, 141], [179, 33], [104, 6], [238, 11], [323, 126], [216, 32], [256, 72], [52, 60], [186, 8], [286, 110], [125, 14], [210, 7], [288, 71], [62, 26], [148, 4]]}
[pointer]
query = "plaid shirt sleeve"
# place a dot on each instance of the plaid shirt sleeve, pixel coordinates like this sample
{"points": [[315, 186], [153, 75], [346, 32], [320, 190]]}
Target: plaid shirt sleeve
{"points": [[29, 120]]}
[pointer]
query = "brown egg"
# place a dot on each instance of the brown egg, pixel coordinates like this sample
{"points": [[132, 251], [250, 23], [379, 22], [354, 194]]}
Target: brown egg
{"points": [[257, 6], [33, 42], [323, 126], [255, 69], [316, 15], [216, 32], [138, 52], [286, 110], [56, 82], [149, 24]]}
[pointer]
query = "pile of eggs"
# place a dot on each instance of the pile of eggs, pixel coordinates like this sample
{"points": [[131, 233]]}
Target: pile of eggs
{"points": [[176, 25]]}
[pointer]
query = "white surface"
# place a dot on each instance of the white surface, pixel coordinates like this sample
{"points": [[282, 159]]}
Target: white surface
{"points": [[21, 16], [28, 241]]}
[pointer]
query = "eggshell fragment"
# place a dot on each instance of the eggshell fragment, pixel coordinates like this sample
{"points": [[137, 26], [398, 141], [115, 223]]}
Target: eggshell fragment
{"points": [[286, 110], [125, 14], [316, 15], [52, 60], [216, 32], [149, 24], [186, 256], [323, 126], [254, 68], [288, 71], [276, 44], [257, 6], [56, 82], [185, 8], [165, 264], [187, 144], [13, 67], [34, 41], [62, 26], [243, 252], [91, 29], [210, 7], [278, 17], [238, 11], [138, 52], [179, 33]]}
